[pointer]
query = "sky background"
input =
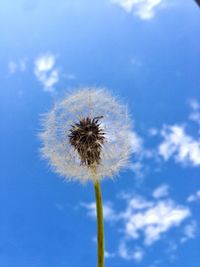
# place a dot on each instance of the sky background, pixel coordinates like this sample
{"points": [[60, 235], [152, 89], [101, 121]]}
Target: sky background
{"points": [[147, 53]]}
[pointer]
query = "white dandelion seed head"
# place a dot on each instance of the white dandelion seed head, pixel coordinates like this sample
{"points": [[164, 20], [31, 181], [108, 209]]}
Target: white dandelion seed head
{"points": [[114, 123]]}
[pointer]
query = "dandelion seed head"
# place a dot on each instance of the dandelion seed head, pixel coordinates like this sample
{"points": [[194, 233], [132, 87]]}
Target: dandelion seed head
{"points": [[88, 128]]}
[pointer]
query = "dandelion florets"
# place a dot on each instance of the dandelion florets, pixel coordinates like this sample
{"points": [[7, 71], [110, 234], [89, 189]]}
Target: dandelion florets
{"points": [[88, 129], [87, 137]]}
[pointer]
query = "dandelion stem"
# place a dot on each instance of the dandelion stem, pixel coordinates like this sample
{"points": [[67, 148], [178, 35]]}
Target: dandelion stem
{"points": [[100, 224]]}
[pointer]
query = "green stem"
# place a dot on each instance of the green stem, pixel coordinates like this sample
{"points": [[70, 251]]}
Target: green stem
{"points": [[100, 226]]}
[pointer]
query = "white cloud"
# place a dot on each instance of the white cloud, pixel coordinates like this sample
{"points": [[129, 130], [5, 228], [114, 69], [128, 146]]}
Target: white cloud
{"points": [[109, 255], [178, 144], [91, 209], [195, 113], [45, 62], [136, 142], [153, 131], [137, 168], [153, 221], [194, 197], [194, 104], [146, 221], [139, 153], [138, 254], [108, 212], [126, 253], [144, 9], [161, 191], [46, 72], [14, 67], [190, 232], [195, 116], [137, 203]]}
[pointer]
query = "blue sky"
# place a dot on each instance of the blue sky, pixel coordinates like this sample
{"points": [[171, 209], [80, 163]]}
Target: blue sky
{"points": [[147, 53]]}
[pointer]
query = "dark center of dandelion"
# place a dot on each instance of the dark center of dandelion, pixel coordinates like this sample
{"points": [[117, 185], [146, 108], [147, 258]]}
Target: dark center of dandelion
{"points": [[87, 138]]}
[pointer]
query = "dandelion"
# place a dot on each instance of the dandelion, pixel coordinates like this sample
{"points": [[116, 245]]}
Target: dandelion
{"points": [[85, 137]]}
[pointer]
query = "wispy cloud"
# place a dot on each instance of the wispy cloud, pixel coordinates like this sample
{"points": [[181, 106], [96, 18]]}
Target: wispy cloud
{"points": [[136, 142], [153, 131], [109, 213], [12, 67], [161, 191], [138, 254], [146, 220], [194, 104], [46, 72], [179, 145], [138, 169], [126, 253], [15, 66], [190, 232], [194, 197], [195, 112], [109, 255], [159, 218], [144, 9], [140, 155]]}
